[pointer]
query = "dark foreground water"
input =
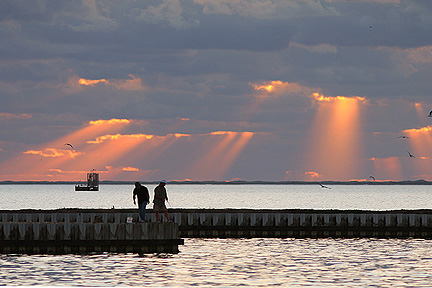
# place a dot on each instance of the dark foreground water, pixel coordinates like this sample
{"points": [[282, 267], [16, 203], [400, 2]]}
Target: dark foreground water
{"points": [[233, 262], [237, 262]]}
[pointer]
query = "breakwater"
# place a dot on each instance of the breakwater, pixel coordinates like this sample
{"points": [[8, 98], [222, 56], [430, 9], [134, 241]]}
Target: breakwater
{"points": [[108, 230], [249, 223], [77, 231]]}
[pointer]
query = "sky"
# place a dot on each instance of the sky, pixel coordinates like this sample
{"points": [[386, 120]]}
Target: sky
{"points": [[217, 90]]}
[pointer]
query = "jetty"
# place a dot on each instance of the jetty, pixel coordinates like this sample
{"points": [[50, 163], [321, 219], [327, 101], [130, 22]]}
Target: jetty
{"points": [[299, 223], [118, 230], [79, 231]]}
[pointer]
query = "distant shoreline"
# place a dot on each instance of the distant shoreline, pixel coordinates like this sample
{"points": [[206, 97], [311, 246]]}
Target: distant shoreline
{"points": [[405, 182]]}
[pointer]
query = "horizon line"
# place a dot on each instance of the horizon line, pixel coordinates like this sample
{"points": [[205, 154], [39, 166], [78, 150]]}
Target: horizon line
{"points": [[335, 182]]}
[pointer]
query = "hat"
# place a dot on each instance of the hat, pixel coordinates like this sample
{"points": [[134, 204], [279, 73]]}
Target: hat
{"points": [[163, 181]]}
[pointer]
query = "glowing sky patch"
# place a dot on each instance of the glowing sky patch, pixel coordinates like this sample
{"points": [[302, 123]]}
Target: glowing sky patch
{"points": [[420, 141], [278, 88], [89, 82], [223, 149], [103, 138], [52, 153], [133, 84], [130, 169], [111, 121], [335, 147], [387, 168], [321, 98], [414, 131], [178, 135], [268, 87], [313, 175]]}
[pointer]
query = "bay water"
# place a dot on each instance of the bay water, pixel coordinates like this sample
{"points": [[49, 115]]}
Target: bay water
{"points": [[232, 262]]}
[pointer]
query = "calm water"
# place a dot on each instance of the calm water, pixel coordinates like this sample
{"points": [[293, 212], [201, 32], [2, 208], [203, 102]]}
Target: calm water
{"points": [[224, 196], [238, 262], [233, 262]]}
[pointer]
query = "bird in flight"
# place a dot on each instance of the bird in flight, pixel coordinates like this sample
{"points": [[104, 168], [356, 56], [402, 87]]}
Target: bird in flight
{"points": [[403, 136], [68, 144], [322, 186], [430, 114], [372, 177], [410, 155]]}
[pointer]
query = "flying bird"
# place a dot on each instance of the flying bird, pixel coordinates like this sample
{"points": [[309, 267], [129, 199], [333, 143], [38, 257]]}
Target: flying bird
{"points": [[68, 144], [372, 177], [430, 114], [322, 186], [403, 136], [410, 155]]}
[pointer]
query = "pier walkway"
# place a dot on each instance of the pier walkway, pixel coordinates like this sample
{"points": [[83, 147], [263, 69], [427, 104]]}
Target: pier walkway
{"points": [[107, 230]]}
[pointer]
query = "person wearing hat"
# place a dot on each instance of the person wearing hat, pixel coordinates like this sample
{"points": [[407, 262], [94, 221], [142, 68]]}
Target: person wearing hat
{"points": [[160, 195], [141, 192]]}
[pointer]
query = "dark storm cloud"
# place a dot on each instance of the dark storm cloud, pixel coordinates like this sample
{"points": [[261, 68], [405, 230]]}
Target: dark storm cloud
{"points": [[370, 24]]}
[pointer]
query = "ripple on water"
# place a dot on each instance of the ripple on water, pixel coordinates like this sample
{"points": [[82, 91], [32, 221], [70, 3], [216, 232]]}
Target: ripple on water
{"points": [[237, 262]]}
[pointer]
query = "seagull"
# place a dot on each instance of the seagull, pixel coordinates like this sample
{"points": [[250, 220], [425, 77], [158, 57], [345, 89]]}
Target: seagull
{"points": [[322, 186], [430, 114], [403, 136], [410, 155], [68, 144], [372, 177]]}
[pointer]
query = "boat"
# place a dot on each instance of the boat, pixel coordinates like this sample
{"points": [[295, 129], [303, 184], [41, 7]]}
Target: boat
{"points": [[92, 183]]}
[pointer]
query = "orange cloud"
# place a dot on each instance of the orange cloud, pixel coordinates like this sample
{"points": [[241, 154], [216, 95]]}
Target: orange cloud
{"points": [[11, 116], [130, 169], [124, 172], [321, 98], [313, 175], [60, 171], [221, 133], [320, 48], [268, 87], [277, 93], [117, 136], [111, 121], [178, 135], [278, 87], [426, 129], [134, 84], [88, 82], [52, 152], [419, 54]]}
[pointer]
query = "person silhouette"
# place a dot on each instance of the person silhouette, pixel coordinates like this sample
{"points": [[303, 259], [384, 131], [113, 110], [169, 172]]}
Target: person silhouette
{"points": [[160, 195], [141, 193]]}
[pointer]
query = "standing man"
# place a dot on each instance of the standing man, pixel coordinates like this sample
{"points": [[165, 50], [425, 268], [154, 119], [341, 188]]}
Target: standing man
{"points": [[141, 192], [160, 196]]}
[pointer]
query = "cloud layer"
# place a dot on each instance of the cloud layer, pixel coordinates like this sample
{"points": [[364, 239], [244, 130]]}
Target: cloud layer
{"points": [[179, 71]]}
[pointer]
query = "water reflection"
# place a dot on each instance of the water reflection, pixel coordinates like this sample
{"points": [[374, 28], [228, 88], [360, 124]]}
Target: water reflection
{"points": [[237, 262]]}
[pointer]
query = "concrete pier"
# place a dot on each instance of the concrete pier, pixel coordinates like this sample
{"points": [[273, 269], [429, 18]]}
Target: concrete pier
{"points": [[75, 231], [107, 230], [249, 223]]}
